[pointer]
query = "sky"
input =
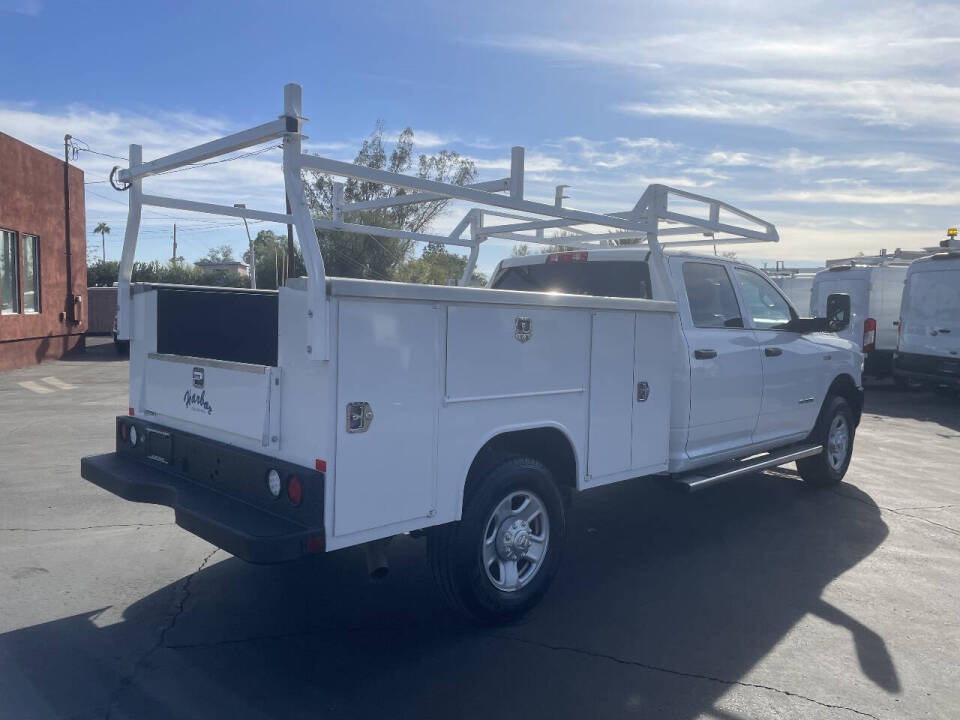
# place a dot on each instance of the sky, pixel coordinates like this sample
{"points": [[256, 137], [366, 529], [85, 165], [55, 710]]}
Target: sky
{"points": [[838, 122]]}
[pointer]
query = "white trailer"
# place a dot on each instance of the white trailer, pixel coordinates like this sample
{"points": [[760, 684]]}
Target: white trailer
{"points": [[337, 412]]}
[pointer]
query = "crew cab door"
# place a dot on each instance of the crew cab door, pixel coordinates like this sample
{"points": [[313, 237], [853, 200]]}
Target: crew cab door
{"points": [[794, 367], [726, 383]]}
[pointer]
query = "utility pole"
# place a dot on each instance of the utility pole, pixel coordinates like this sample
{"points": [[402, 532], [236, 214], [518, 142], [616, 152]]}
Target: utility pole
{"points": [[253, 255], [174, 258], [70, 304]]}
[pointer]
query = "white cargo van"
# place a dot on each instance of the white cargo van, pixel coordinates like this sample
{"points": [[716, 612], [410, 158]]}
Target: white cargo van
{"points": [[875, 292], [797, 286], [929, 346], [337, 412]]}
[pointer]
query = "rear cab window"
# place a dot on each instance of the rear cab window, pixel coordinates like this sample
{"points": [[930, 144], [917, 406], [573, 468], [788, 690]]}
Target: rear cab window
{"points": [[713, 303], [601, 278]]}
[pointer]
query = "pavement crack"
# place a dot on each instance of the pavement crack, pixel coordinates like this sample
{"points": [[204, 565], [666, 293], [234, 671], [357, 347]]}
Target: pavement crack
{"points": [[677, 673], [179, 605], [898, 511], [86, 527], [923, 507]]}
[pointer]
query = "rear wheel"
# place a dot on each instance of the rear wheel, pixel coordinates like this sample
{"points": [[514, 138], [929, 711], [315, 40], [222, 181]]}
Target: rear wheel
{"points": [[835, 432], [498, 561]]}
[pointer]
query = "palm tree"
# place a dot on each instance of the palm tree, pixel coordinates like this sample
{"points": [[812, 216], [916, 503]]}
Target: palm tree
{"points": [[104, 230]]}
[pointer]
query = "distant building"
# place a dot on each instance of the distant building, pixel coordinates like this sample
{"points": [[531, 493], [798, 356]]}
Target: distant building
{"points": [[43, 251], [230, 267]]}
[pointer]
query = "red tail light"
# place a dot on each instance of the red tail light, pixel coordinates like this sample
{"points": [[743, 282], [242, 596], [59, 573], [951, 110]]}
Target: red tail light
{"points": [[869, 335], [294, 490], [567, 257]]}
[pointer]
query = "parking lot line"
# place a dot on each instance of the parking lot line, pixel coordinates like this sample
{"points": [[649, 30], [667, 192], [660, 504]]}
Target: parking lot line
{"points": [[35, 387], [58, 383]]}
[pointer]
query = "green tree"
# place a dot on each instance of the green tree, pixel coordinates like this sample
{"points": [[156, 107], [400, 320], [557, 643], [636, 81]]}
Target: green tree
{"points": [[271, 250], [104, 273], [104, 230], [436, 266], [223, 253], [364, 256]]}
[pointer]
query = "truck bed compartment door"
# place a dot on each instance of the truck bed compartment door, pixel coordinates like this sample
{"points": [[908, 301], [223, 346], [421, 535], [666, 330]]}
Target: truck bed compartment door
{"points": [[611, 393], [388, 363]]}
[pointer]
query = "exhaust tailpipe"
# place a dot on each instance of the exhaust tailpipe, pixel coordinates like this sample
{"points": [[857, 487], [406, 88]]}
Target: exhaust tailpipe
{"points": [[376, 555]]}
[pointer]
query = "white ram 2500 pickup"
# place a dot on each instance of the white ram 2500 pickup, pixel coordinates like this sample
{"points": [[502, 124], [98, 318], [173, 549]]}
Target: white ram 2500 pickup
{"points": [[334, 412]]}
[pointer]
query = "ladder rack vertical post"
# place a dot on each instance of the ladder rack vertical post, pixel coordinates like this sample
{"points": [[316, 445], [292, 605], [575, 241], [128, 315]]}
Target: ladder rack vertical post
{"points": [[317, 327], [132, 231], [476, 222], [516, 173]]}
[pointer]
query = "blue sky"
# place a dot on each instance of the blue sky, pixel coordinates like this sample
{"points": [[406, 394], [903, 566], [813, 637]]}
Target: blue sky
{"points": [[837, 121]]}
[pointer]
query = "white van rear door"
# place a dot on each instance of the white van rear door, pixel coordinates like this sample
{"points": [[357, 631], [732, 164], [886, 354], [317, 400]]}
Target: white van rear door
{"points": [[931, 314], [856, 286]]}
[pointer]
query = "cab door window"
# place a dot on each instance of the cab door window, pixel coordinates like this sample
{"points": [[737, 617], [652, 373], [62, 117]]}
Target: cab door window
{"points": [[766, 307]]}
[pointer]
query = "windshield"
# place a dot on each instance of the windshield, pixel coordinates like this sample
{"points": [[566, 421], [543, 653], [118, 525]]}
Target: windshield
{"points": [[608, 278]]}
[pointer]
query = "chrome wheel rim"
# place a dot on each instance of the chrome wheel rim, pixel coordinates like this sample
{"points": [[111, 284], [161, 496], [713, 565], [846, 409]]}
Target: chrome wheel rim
{"points": [[838, 442], [515, 539]]}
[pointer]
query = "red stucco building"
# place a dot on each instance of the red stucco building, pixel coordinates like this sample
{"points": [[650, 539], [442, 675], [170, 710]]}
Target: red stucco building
{"points": [[43, 269]]}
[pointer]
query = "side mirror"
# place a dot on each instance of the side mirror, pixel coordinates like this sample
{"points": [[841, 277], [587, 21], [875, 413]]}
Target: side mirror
{"points": [[838, 312]]}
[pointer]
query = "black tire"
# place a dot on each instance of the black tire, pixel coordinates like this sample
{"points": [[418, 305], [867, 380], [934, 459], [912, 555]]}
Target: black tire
{"points": [[828, 468], [122, 347], [456, 551]]}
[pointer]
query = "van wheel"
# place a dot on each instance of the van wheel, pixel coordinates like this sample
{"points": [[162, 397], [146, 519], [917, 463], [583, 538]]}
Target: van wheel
{"points": [[835, 431], [498, 561]]}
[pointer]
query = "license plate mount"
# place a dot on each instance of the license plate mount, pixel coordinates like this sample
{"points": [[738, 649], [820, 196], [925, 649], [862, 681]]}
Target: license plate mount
{"points": [[159, 446]]}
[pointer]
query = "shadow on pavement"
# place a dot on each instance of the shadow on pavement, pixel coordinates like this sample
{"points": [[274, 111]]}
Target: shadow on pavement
{"points": [[99, 348], [664, 600], [940, 406]]}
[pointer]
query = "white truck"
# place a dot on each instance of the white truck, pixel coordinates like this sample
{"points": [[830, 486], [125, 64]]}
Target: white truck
{"points": [[875, 290], [928, 349], [336, 412]]}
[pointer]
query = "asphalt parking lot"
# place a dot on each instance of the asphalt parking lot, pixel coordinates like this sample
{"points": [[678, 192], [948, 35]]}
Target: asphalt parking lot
{"points": [[760, 598]]}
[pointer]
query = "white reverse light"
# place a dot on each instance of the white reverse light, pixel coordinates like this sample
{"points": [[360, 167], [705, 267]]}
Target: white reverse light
{"points": [[273, 483], [133, 434]]}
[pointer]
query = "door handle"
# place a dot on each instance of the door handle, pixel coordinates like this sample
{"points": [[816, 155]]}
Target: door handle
{"points": [[704, 354], [772, 351], [944, 330]]}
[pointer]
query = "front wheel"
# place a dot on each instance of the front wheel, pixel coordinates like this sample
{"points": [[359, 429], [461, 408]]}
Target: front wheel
{"points": [[498, 561], [834, 431]]}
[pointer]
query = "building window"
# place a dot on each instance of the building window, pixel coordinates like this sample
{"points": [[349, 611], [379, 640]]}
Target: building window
{"points": [[9, 284], [30, 247]]}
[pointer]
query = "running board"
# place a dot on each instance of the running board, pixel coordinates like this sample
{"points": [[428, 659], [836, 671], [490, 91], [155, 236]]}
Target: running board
{"points": [[699, 479]]}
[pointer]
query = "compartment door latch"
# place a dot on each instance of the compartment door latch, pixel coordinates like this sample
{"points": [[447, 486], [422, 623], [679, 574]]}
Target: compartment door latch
{"points": [[643, 391], [359, 417]]}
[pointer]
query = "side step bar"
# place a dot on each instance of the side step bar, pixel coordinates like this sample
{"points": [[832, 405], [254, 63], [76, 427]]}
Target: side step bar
{"points": [[704, 477]]}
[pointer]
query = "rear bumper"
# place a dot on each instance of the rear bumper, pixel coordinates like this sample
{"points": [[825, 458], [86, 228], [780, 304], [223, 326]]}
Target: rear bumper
{"points": [[927, 367], [242, 530], [222, 506]]}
